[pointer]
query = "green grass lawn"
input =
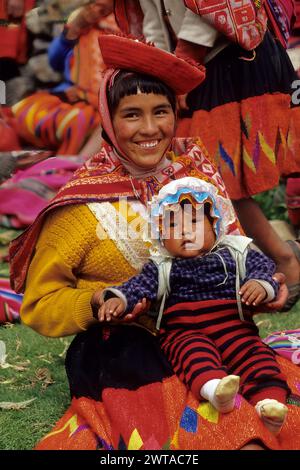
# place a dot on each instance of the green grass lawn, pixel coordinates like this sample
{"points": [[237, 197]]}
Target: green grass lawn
{"points": [[37, 371]]}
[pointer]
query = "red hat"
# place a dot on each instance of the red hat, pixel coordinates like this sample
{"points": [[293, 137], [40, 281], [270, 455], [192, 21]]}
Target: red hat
{"points": [[123, 52]]}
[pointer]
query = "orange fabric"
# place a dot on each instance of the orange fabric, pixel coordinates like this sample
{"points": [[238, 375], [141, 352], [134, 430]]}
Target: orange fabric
{"points": [[141, 423], [47, 122], [87, 63], [258, 141]]}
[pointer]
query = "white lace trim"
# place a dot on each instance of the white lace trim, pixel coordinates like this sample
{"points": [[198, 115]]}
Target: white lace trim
{"points": [[127, 240]]}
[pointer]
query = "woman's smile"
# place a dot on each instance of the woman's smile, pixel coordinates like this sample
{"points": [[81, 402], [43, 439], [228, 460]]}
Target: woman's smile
{"points": [[148, 145]]}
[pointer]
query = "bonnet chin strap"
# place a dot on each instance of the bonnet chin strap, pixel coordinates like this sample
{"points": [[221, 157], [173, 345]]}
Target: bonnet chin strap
{"points": [[240, 266], [238, 248], [164, 269]]}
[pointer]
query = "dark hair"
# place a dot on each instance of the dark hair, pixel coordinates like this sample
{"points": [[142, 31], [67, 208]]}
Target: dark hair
{"points": [[127, 83], [207, 207]]}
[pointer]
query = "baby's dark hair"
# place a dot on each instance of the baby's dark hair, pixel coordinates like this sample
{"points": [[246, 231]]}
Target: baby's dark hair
{"points": [[127, 83], [207, 207]]}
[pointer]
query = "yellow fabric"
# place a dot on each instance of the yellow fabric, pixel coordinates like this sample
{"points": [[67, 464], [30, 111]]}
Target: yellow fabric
{"points": [[69, 264]]}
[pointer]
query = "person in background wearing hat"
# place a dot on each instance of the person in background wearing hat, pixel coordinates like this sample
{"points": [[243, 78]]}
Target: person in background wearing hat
{"points": [[14, 43], [124, 393], [65, 118], [242, 111], [204, 335]]}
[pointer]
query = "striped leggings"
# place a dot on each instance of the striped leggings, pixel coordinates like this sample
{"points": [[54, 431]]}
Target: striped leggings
{"points": [[207, 340]]}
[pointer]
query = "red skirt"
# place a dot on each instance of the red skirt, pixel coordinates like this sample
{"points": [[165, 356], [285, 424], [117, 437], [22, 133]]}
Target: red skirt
{"points": [[125, 396]]}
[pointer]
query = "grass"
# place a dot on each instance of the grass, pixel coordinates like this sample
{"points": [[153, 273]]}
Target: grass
{"points": [[37, 371]]}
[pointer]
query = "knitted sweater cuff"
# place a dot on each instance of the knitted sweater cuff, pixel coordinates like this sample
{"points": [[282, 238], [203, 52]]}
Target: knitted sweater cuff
{"points": [[83, 314]]}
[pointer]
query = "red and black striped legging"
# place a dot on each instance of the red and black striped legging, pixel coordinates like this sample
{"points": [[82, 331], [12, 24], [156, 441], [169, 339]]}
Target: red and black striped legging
{"points": [[207, 340]]}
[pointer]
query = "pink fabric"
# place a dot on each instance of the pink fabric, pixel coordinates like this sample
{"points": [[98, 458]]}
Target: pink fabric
{"points": [[10, 302], [286, 343], [24, 195]]}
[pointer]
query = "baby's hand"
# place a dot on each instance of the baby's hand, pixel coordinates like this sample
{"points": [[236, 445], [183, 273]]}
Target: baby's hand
{"points": [[111, 309], [252, 293]]}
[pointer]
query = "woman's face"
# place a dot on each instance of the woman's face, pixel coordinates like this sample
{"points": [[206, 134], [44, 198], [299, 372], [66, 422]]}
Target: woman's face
{"points": [[144, 126]]}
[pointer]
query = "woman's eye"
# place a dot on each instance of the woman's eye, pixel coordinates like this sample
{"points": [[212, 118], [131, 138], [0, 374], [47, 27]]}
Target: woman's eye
{"points": [[131, 116], [161, 112]]}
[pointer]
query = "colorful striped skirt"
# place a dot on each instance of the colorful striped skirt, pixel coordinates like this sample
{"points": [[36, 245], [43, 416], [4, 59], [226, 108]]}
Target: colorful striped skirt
{"points": [[45, 121]]}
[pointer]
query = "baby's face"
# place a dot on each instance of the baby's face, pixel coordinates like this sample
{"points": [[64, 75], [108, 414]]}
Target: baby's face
{"points": [[188, 233]]}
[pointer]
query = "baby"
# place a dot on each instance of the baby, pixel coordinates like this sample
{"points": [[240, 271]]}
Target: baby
{"points": [[204, 276]]}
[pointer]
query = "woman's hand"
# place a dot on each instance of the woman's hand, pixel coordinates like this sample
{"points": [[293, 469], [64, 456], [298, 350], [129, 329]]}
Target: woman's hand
{"points": [[97, 302], [277, 304], [181, 100], [141, 307], [87, 17]]}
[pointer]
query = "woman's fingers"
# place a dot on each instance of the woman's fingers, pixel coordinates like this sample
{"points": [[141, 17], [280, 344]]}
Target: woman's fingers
{"points": [[140, 308], [282, 296]]}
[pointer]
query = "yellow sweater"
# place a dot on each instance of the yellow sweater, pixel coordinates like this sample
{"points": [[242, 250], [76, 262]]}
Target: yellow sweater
{"points": [[69, 264]]}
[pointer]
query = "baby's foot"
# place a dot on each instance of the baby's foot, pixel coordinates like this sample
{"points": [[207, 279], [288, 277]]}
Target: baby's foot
{"points": [[226, 391], [272, 414]]}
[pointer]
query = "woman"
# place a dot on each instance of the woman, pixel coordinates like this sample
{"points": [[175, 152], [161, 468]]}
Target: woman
{"points": [[242, 112], [125, 396]]}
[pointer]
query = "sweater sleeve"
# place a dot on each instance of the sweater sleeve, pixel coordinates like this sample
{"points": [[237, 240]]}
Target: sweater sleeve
{"points": [[58, 51], [53, 303], [136, 288], [261, 268]]}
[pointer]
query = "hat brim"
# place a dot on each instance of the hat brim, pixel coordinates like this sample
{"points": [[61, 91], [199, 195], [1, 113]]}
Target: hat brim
{"points": [[121, 52]]}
